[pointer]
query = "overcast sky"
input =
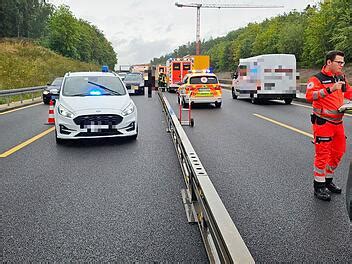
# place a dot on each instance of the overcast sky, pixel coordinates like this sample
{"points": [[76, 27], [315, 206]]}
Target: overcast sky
{"points": [[140, 30]]}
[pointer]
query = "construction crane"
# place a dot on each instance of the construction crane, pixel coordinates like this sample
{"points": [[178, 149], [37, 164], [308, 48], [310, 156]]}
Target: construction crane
{"points": [[199, 6]]}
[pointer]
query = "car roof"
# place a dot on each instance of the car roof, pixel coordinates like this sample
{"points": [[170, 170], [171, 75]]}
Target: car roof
{"points": [[71, 74]]}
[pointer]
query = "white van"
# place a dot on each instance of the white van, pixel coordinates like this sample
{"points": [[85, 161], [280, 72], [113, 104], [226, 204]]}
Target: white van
{"points": [[266, 77]]}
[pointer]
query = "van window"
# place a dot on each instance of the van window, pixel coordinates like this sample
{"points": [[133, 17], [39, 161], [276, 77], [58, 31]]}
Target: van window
{"points": [[243, 70]]}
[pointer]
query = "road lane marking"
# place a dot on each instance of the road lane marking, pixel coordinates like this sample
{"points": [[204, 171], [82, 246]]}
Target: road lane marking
{"points": [[284, 125], [27, 142], [17, 109], [307, 106]]}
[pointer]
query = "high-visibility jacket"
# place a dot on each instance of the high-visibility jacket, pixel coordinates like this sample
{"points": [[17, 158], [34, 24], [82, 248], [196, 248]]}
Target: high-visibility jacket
{"points": [[325, 104]]}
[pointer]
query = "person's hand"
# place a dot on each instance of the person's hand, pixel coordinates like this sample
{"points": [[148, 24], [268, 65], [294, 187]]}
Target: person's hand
{"points": [[337, 86]]}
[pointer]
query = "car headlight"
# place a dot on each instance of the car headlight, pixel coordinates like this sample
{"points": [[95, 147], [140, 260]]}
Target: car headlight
{"points": [[45, 92], [64, 112], [128, 110]]}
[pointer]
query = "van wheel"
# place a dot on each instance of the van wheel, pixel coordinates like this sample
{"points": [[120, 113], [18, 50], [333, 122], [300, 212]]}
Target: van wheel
{"points": [[234, 96], [288, 101], [253, 100]]}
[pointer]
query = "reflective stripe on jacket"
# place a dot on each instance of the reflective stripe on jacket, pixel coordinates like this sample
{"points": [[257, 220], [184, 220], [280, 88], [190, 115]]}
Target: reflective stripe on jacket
{"points": [[326, 105]]}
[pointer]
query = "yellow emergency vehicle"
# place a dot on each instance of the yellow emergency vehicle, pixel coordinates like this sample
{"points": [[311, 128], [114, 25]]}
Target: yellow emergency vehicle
{"points": [[200, 87]]}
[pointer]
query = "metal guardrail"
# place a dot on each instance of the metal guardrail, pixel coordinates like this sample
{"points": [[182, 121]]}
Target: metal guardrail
{"points": [[203, 205], [20, 91]]}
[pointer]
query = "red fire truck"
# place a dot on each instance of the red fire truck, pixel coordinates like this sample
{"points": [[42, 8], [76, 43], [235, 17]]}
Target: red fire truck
{"points": [[176, 70]]}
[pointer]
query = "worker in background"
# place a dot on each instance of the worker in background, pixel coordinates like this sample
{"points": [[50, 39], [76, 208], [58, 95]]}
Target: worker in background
{"points": [[161, 80], [327, 90]]}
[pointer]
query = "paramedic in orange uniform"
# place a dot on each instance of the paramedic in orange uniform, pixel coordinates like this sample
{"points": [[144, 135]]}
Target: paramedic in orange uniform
{"points": [[327, 90]]}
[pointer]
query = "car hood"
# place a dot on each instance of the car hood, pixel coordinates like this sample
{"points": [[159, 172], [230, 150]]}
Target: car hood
{"points": [[93, 103]]}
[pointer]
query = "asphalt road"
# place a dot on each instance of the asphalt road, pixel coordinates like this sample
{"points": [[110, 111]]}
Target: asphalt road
{"points": [[263, 174], [101, 200], [118, 200]]}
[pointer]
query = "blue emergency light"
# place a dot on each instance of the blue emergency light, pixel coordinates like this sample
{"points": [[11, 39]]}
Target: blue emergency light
{"points": [[95, 92], [105, 68]]}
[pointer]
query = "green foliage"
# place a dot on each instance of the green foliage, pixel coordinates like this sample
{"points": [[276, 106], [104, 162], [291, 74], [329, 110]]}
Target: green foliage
{"points": [[23, 18], [308, 34], [63, 34], [57, 29], [78, 39], [23, 64]]}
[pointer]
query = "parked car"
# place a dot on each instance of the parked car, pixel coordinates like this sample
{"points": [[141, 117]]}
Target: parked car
{"points": [[51, 90], [122, 75], [134, 82], [201, 87], [94, 105]]}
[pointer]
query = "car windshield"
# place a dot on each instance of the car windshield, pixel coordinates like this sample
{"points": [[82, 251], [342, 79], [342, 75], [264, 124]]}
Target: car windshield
{"points": [[57, 82], [203, 80], [133, 78], [92, 85]]}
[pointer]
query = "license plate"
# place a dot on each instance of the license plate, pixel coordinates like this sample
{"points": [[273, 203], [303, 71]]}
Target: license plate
{"points": [[134, 87], [204, 90]]}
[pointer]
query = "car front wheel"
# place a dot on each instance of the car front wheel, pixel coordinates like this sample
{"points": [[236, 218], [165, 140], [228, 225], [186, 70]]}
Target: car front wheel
{"points": [[59, 141]]}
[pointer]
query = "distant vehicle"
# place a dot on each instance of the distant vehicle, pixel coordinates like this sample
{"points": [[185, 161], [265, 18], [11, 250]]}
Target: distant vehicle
{"points": [[176, 70], [48, 91], [94, 105], [200, 87], [134, 82], [266, 77], [122, 75]]}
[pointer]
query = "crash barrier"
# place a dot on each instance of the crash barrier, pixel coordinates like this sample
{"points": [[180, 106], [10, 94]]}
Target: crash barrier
{"points": [[223, 242], [349, 193], [20, 91]]}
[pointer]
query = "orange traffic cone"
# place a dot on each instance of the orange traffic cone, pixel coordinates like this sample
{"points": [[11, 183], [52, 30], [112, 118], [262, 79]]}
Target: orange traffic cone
{"points": [[51, 118]]}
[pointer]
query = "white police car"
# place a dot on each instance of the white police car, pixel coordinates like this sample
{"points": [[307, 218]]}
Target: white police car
{"points": [[94, 105]]}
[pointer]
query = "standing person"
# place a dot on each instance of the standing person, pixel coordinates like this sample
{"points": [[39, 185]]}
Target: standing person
{"points": [[327, 90]]}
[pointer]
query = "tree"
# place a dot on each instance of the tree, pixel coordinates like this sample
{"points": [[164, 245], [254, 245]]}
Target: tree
{"points": [[63, 32]]}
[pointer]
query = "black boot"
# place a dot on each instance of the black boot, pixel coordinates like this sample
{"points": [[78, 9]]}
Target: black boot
{"points": [[321, 192], [332, 187]]}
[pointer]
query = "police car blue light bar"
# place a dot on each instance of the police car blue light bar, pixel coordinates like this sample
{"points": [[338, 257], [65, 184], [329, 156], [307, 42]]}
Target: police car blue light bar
{"points": [[105, 68], [95, 92]]}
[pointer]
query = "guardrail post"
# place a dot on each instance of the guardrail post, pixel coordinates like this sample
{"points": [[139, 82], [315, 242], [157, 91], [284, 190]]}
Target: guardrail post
{"points": [[8, 100], [21, 98], [33, 96]]}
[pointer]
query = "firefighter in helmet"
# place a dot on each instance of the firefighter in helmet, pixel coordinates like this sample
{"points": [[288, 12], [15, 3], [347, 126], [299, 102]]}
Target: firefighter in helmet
{"points": [[161, 80], [327, 91]]}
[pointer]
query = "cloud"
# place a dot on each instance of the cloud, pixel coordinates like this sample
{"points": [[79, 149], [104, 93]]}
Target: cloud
{"points": [[138, 50]]}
